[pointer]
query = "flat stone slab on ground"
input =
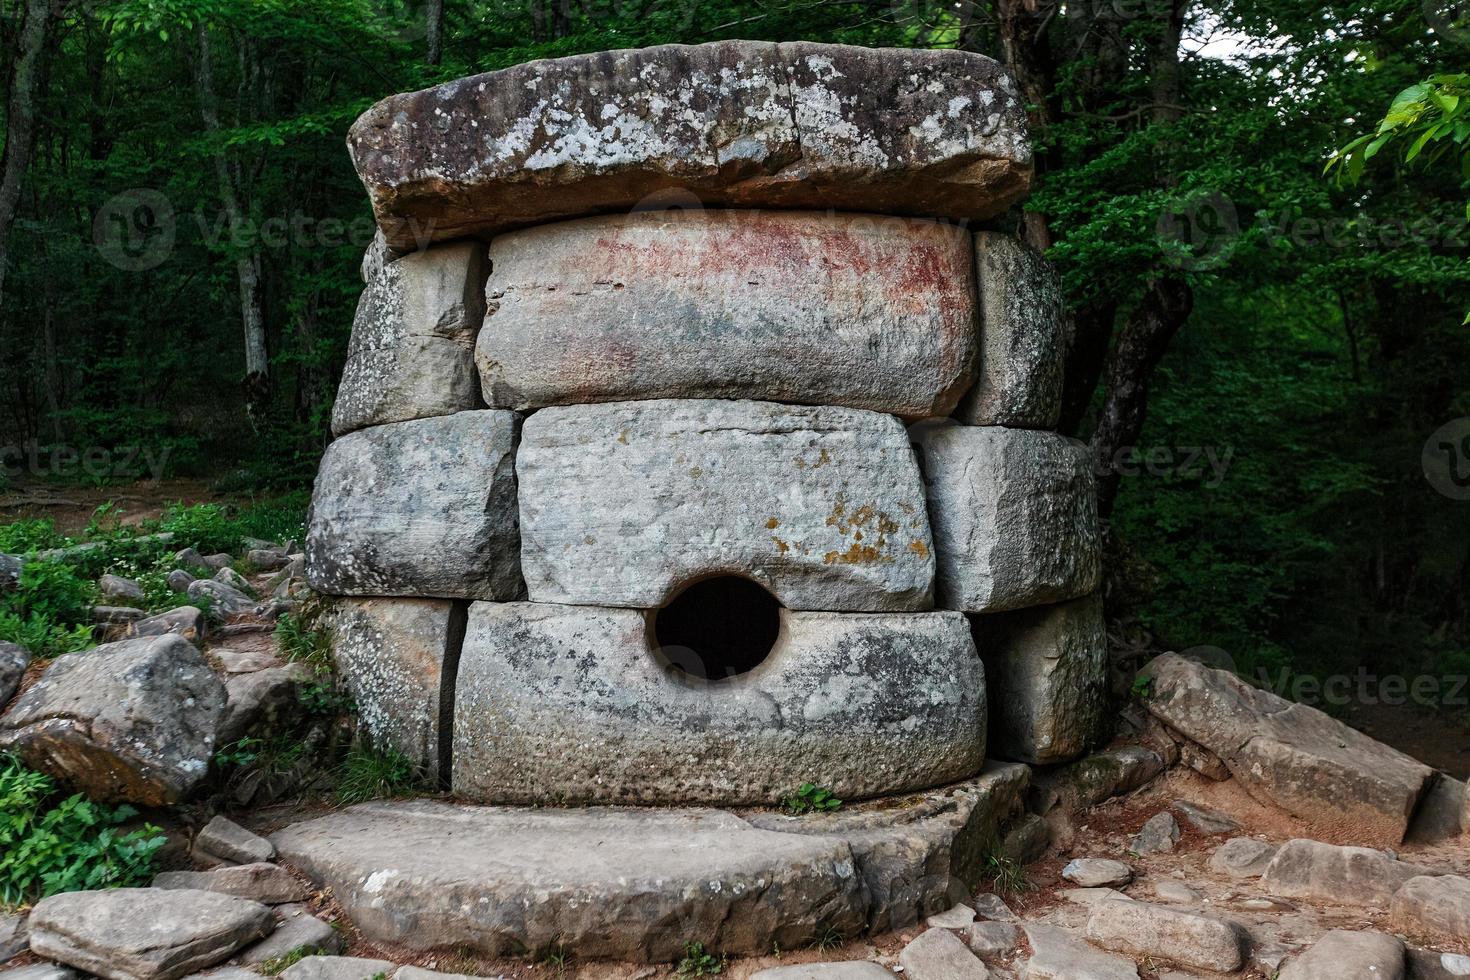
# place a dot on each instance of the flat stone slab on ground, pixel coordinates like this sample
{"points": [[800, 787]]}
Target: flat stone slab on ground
{"points": [[1158, 835], [1061, 955], [618, 884], [1097, 872], [145, 933], [938, 954], [1357, 876], [856, 310], [228, 841], [850, 970], [338, 968], [742, 124], [1205, 820], [1153, 932], [1343, 955], [299, 929], [269, 884]]}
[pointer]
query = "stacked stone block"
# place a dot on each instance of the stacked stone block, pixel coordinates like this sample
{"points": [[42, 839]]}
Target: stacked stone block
{"points": [[567, 402]]}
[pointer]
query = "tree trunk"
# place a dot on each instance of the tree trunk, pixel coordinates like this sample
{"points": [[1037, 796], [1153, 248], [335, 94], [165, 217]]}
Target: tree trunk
{"points": [[26, 84], [434, 18]]}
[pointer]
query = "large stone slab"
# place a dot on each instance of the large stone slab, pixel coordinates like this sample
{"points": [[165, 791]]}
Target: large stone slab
{"points": [[1022, 337], [570, 704], [1047, 669], [1061, 955], [861, 310], [391, 655], [134, 721], [631, 885], [1342, 875], [622, 504], [1154, 932], [423, 508], [1434, 908], [1346, 955], [728, 124], [1338, 781], [1014, 516], [412, 350], [145, 933]]}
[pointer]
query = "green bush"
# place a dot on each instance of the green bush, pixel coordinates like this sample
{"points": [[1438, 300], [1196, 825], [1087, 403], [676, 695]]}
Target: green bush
{"points": [[215, 528], [50, 845], [21, 537], [48, 612]]}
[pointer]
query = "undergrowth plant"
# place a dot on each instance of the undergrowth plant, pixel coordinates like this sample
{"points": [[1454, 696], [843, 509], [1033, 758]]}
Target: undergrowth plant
{"points": [[371, 774], [810, 798], [698, 963]]}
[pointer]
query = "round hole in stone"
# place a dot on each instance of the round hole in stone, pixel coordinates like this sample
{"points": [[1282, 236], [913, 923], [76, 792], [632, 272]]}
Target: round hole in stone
{"points": [[716, 628]]}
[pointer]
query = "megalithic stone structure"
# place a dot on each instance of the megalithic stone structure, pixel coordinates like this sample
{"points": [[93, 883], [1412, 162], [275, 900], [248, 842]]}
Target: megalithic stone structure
{"points": [[697, 398]]}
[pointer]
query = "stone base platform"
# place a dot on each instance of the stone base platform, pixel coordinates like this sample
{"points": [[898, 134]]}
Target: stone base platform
{"points": [[637, 884]]}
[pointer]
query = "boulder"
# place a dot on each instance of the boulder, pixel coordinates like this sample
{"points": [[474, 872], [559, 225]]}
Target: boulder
{"points": [[189, 558], [625, 503], [411, 355], [299, 930], [228, 576], [1243, 857], [1441, 814], [261, 699], [180, 580], [1097, 872], [1022, 337], [1153, 932], [1048, 673], [938, 954], [566, 703], [1101, 776], [14, 659], [1014, 514], [145, 933], [1158, 835], [218, 561], [423, 508], [745, 124], [225, 840], [390, 654], [1333, 778], [992, 940], [224, 600], [1205, 820], [185, 621], [269, 884], [1435, 908], [1057, 954], [859, 310], [134, 721], [1343, 955], [121, 616], [624, 884], [339, 968], [10, 568], [1358, 876], [262, 560], [119, 591]]}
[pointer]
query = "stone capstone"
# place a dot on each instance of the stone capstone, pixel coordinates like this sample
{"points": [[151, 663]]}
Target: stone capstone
{"points": [[1153, 932], [1014, 516], [745, 124], [1335, 779], [858, 310], [624, 503], [145, 933], [568, 704], [1357, 876], [423, 508], [134, 721], [1022, 337], [1047, 668], [411, 355]]}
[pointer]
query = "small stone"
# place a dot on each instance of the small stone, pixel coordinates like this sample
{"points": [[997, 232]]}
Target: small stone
{"points": [[415, 973], [1175, 892], [236, 581], [120, 591], [1434, 907], [145, 933], [1343, 955], [14, 936], [1061, 955], [1097, 872], [179, 580], [226, 840], [14, 659], [1145, 931], [266, 883], [1242, 857], [1091, 896], [1158, 836], [338, 968], [1429, 964], [955, 918], [116, 615], [223, 599], [189, 558], [1205, 820], [299, 929], [267, 561], [1267, 905], [185, 621], [992, 940], [1268, 957], [988, 906], [939, 954], [1358, 876], [218, 562], [850, 970]]}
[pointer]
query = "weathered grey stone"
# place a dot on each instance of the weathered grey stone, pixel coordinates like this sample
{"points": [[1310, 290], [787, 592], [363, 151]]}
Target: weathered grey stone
{"points": [[226, 600], [118, 590], [850, 970], [1331, 777], [956, 917], [116, 615], [1159, 835], [261, 699], [415, 973], [939, 954], [422, 508], [1435, 908], [1060, 955], [1026, 840], [923, 856], [1343, 955], [1097, 872], [1175, 892], [236, 581], [219, 561], [624, 503], [10, 568], [412, 350], [1441, 812], [1144, 931], [1091, 896], [189, 558], [15, 936], [622, 884], [992, 940], [1014, 516], [1047, 668], [1022, 337], [1203, 761], [14, 659], [40, 971], [992, 907], [1243, 857], [860, 310], [299, 929], [226, 840], [262, 560], [1102, 776], [133, 721], [269, 884], [1205, 820], [145, 933], [1429, 964], [390, 654], [179, 580], [729, 124], [376, 257], [185, 621], [1342, 875], [567, 703], [338, 968]]}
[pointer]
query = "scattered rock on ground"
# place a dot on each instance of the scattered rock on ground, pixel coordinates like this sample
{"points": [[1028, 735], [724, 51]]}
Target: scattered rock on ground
{"points": [[185, 621], [1243, 857], [145, 933], [179, 580], [267, 883], [189, 558], [14, 936], [939, 954], [267, 561], [1153, 932], [1205, 820], [1091, 896], [1343, 955], [226, 840], [1061, 955], [850, 970], [1158, 836], [218, 561], [1175, 892], [1097, 872], [338, 968], [119, 590], [988, 906], [1434, 907], [223, 599], [299, 929], [1429, 964], [1357, 876], [228, 576], [955, 918], [116, 615], [14, 659], [992, 940]]}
